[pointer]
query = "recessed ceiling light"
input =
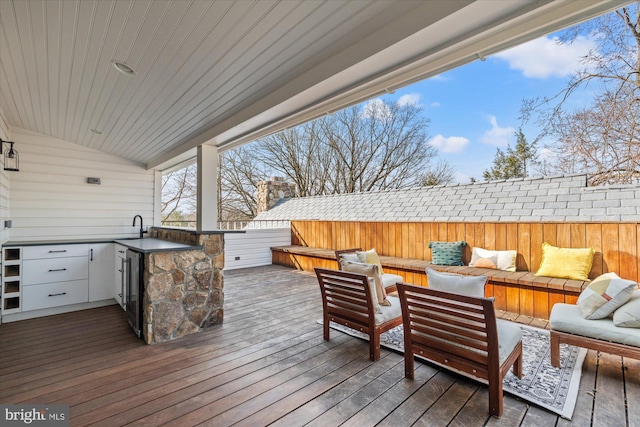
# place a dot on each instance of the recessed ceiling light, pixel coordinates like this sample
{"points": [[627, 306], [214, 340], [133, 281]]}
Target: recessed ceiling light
{"points": [[96, 131], [123, 68]]}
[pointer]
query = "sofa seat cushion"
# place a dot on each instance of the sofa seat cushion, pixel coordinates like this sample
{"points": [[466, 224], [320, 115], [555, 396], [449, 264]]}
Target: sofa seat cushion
{"points": [[509, 335], [567, 318], [390, 312]]}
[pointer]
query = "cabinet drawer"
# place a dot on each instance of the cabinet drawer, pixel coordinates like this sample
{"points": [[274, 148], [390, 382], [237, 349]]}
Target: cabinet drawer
{"points": [[54, 294], [54, 251], [38, 271]]}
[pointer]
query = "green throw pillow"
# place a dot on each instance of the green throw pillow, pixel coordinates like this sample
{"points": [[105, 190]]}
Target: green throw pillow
{"points": [[447, 253]]}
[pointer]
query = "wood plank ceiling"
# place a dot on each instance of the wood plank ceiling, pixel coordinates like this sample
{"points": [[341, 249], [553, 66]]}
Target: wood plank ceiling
{"points": [[226, 72]]}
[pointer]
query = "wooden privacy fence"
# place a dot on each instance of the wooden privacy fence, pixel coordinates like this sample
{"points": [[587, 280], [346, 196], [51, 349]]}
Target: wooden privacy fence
{"points": [[616, 248]]}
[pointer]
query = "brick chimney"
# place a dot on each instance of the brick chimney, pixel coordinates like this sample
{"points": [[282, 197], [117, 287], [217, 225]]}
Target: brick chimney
{"points": [[271, 191]]}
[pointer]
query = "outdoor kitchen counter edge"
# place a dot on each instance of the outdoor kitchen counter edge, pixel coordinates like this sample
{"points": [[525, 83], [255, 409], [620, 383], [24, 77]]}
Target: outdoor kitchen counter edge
{"points": [[139, 245], [156, 245]]}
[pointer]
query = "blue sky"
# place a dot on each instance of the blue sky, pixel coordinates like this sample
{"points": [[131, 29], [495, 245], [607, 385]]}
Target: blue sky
{"points": [[475, 108]]}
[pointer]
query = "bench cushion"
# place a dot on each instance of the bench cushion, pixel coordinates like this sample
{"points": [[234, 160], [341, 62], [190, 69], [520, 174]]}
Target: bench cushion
{"points": [[567, 318]]}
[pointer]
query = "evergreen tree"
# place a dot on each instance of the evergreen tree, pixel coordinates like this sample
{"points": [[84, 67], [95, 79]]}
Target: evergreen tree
{"points": [[513, 163]]}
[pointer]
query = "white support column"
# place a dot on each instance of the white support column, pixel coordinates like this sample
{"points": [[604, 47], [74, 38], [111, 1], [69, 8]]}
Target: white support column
{"points": [[157, 198], [207, 211]]}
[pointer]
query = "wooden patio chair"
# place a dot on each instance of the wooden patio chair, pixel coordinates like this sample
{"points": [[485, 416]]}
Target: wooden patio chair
{"points": [[460, 333], [348, 300]]}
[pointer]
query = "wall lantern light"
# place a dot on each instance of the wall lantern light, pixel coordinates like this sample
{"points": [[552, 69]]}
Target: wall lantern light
{"points": [[11, 157]]}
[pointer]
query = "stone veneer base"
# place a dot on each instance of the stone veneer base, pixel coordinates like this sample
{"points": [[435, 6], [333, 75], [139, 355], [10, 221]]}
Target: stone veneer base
{"points": [[183, 289]]}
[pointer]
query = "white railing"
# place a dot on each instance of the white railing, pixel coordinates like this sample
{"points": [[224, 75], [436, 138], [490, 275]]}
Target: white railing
{"points": [[234, 225]]}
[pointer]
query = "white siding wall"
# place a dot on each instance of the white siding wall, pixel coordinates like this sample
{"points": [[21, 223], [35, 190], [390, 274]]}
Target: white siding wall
{"points": [[252, 247], [4, 185], [51, 199]]}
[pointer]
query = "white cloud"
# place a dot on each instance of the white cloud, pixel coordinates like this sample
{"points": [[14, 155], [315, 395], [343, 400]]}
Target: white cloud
{"points": [[452, 144], [409, 99], [500, 137], [440, 77], [434, 104], [546, 57]]}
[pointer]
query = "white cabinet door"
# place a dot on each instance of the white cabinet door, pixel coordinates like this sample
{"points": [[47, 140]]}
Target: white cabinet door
{"points": [[101, 274], [119, 269]]}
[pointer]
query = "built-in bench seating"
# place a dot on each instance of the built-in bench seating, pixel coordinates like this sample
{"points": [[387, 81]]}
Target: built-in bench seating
{"points": [[520, 292]]}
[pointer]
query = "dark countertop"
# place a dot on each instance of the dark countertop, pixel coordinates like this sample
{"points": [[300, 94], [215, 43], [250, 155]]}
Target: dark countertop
{"points": [[155, 245], [61, 242]]}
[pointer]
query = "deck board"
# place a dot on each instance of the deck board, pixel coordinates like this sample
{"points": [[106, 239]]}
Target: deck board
{"points": [[267, 363]]}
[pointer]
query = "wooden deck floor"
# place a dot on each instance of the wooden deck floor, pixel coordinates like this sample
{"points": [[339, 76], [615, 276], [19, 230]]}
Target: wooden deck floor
{"points": [[267, 364]]}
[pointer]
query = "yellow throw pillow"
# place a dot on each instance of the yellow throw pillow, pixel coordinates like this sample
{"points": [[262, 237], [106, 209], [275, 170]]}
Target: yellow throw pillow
{"points": [[370, 257], [565, 263]]}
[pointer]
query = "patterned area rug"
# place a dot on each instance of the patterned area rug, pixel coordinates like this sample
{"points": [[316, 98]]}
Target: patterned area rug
{"points": [[555, 389]]}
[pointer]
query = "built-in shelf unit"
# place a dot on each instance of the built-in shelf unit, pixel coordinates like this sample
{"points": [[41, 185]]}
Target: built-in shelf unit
{"points": [[11, 280]]}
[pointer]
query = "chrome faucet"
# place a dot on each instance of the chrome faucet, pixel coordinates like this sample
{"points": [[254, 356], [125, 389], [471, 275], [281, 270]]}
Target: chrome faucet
{"points": [[142, 231]]}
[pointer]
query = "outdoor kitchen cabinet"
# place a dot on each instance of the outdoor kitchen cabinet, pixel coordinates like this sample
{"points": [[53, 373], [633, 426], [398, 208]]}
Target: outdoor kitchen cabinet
{"points": [[101, 273], [54, 275], [43, 276]]}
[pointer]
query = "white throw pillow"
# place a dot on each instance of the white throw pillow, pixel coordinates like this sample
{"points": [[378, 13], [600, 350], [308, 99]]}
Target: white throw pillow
{"points": [[472, 286], [506, 260], [604, 295], [349, 256], [628, 315]]}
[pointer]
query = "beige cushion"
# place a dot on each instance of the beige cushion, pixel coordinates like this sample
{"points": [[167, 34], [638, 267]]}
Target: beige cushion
{"points": [[567, 318], [604, 295], [628, 315], [501, 260], [472, 286], [373, 272]]}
